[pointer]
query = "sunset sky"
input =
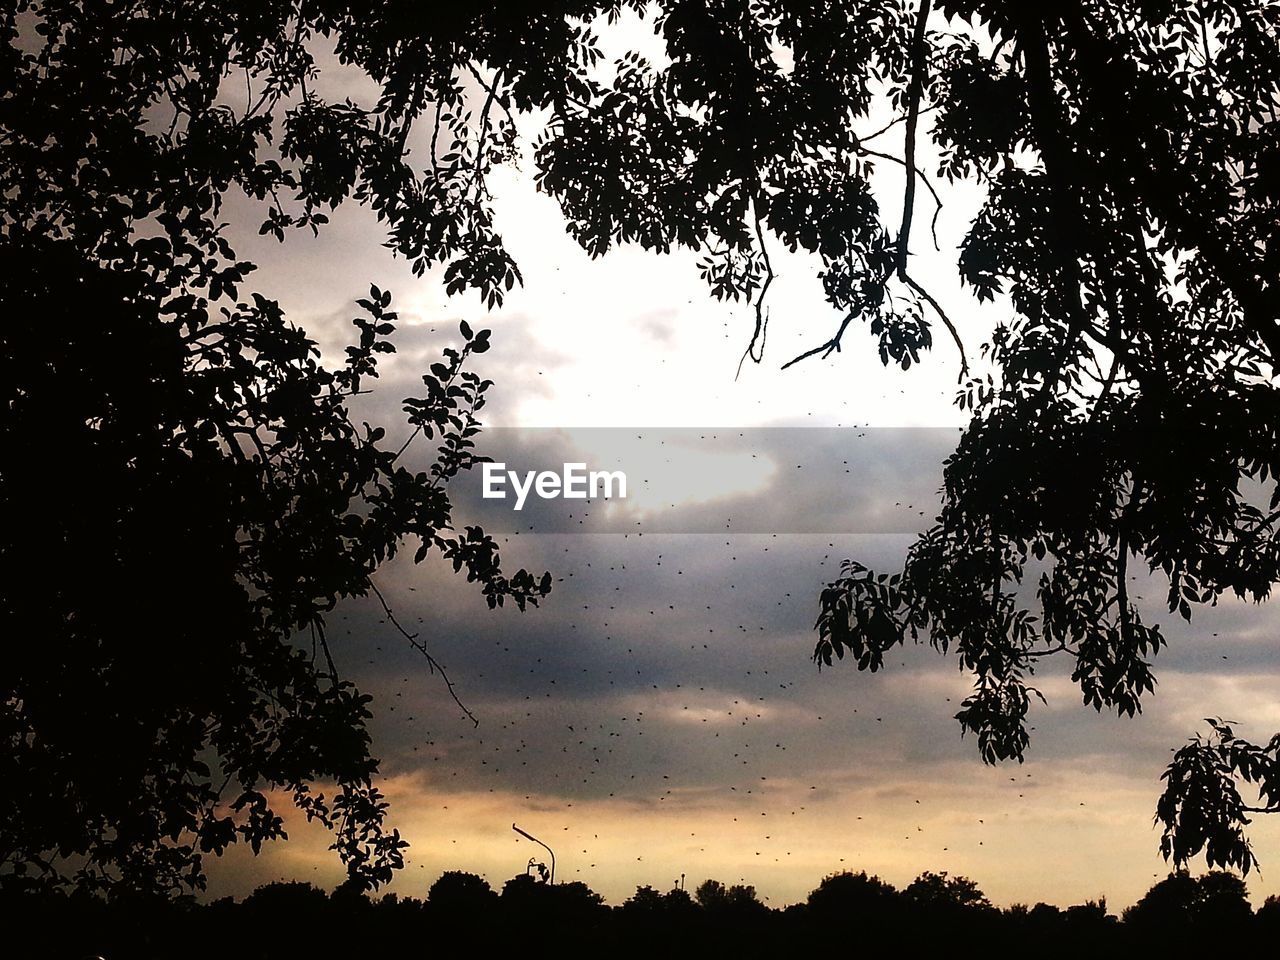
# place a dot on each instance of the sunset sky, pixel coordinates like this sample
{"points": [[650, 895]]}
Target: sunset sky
{"points": [[659, 715]]}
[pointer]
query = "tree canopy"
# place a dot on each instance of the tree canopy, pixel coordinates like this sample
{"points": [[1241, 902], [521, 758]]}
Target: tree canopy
{"points": [[1134, 239], [1181, 902], [1132, 236], [186, 494]]}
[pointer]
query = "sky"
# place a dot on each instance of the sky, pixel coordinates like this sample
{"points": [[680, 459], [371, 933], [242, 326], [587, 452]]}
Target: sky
{"points": [[659, 715]]}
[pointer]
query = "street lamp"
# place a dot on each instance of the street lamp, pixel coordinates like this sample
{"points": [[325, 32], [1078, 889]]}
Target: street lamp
{"points": [[529, 836]]}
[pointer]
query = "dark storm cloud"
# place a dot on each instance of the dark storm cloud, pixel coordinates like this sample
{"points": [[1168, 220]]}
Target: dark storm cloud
{"points": [[665, 662]]}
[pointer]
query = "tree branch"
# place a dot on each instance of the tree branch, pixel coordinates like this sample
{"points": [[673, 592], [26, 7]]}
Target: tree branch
{"points": [[951, 327], [826, 349], [891, 124], [915, 91], [937, 201], [432, 664], [761, 331]]}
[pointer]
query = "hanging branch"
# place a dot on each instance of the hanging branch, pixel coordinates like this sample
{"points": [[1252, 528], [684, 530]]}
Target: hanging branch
{"points": [[915, 93], [761, 331], [432, 663], [946, 321], [826, 349], [937, 200]]}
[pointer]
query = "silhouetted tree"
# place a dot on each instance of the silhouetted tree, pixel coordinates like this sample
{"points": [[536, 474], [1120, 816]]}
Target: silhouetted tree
{"points": [[1089, 913], [946, 917], [458, 892], [1181, 903], [1170, 902], [1224, 900], [1134, 238], [645, 900], [711, 894], [1080, 928], [291, 896], [677, 900], [655, 921], [186, 494], [568, 915], [842, 896], [1267, 919], [714, 896], [260, 917], [938, 891], [1044, 912]]}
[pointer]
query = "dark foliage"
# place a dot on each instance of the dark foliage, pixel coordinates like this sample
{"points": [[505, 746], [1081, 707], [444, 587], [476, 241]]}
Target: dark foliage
{"points": [[185, 493], [1132, 235], [1182, 903], [1129, 418], [934, 914]]}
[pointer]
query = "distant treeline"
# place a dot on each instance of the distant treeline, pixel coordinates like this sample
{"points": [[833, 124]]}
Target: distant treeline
{"points": [[851, 912]]}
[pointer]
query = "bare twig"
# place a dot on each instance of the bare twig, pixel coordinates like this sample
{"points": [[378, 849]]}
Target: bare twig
{"points": [[435, 130], [891, 124], [942, 314], [937, 200], [1061, 647], [492, 90], [405, 446], [432, 663], [477, 176], [317, 632], [826, 349]]}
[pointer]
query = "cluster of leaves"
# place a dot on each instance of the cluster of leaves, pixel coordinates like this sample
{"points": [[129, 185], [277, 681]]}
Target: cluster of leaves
{"points": [[1201, 807], [186, 494], [1133, 236], [1131, 414], [730, 143]]}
